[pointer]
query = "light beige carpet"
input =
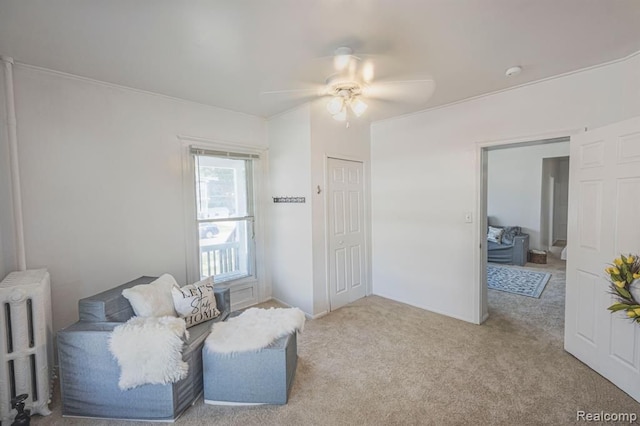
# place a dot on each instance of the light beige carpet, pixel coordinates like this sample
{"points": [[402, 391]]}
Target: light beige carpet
{"points": [[378, 362]]}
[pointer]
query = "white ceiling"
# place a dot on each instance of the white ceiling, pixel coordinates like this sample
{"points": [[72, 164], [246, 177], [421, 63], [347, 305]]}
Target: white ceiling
{"points": [[226, 52]]}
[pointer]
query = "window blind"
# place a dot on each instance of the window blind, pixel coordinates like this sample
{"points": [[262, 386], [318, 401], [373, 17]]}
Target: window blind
{"points": [[225, 154]]}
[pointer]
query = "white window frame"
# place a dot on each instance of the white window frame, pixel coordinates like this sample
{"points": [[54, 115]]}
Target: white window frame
{"points": [[248, 218], [256, 281]]}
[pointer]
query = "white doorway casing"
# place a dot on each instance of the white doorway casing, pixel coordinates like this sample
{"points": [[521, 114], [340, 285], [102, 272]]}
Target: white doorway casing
{"points": [[480, 304], [604, 208], [346, 232]]}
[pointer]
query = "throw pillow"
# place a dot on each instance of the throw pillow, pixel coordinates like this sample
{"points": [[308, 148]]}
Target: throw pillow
{"points": [[195, 303], [495, 234], [153, 299]]}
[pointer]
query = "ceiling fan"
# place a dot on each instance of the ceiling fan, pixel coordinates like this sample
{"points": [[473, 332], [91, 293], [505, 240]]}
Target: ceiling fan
{"points": [[353, 81]]}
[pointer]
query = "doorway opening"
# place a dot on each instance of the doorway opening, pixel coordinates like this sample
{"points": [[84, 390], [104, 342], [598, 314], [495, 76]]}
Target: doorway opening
{"points": [[523, 233]]}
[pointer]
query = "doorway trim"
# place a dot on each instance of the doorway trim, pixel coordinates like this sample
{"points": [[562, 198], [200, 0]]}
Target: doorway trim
{"points": [[480, 303]]}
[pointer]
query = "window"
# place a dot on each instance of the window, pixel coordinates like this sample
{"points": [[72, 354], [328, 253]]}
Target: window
{"points": [[224, 214]]}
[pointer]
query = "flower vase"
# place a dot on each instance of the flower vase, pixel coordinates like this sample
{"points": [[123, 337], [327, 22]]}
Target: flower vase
{"points": [[634, 289]]}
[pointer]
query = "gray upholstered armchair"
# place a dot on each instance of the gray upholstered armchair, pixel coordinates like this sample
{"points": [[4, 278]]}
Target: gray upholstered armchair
{"points": [[512, 248], [89, 374]]}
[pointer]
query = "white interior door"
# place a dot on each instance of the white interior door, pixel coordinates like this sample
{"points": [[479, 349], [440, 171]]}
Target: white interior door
{"points": [[347, 268], [604, 208]]}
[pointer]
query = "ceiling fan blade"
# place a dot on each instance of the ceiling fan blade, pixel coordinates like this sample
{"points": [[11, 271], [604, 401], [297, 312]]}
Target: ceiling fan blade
{"points": [[368, 71], [287, 91], [410, 90], [346, 60], [296, 94]]}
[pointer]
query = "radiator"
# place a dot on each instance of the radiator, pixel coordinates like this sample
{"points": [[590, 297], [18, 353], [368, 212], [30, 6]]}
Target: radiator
{"points": [[26, 344]]}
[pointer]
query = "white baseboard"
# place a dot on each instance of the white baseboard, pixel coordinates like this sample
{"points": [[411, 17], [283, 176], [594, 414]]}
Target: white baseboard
{"points": [[320, 315], [430, 309], [306, 314]]}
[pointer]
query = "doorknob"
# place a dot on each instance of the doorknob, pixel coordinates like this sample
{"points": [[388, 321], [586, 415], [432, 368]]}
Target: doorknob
{"points": [[341, 242]]}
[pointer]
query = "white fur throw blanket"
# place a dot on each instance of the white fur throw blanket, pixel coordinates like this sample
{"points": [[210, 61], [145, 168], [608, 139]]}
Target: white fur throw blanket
{"points": [[149, 351], [254, 329]]}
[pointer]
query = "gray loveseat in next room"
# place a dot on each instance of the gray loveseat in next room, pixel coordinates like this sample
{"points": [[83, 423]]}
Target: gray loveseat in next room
{"points": [[512, 248], [89, 374]]}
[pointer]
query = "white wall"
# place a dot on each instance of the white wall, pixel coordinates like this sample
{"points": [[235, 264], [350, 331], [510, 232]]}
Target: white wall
{"points": [[299, 143], [514, 188], [547, 199], [8, 260], [290, 229], [561, 201], [331, 138], [555, 201], [102, 180], [425, 177]]}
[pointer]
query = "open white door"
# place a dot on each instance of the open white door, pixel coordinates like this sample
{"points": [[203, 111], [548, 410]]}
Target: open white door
{"points": [[604, 208]]}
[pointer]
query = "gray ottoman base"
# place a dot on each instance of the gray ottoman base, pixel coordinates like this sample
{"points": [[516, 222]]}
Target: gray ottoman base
{"points": [[249, 378]]}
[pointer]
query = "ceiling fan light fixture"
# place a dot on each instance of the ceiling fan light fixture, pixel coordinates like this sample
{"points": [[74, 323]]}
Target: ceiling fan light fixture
{"points": [[353, 80], [341, 116], [358, 106], [341, 62], [335, 105]]}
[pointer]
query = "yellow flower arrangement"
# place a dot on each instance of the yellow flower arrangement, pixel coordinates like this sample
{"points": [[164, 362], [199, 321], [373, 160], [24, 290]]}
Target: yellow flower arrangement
{"points": [[622, 274]]}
